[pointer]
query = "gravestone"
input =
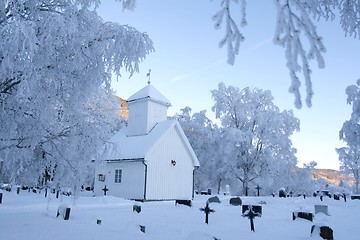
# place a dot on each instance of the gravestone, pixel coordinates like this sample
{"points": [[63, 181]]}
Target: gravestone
{"points": [[214, 199], [183, 202], [255, 209], [282, 193], [258, 190], [1, 197], [336, 196], [64, 211], [142, 228], [355, 196], [249, 213], [207, 210], [304, 215], [322, 209], [98, 221], [136, 208], [235, 201], [324, 231], [105, 190]]}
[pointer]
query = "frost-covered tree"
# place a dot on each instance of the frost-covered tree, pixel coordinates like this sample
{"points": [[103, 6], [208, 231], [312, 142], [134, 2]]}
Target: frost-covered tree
{"points": [[295, 31], [56, 62], [349, 156], [254, 131], [204, 137]]}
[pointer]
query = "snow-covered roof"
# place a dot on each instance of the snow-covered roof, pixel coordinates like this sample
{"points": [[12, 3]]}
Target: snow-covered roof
{"points": [[151, 92], [121, 146]]}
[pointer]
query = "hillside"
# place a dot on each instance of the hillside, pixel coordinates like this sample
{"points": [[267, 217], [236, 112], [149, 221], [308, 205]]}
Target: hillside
{"points": [[331, 176]]}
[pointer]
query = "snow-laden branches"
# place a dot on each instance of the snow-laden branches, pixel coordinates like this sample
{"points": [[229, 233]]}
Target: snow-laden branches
{"points": [[293, 24], [233, 36], [295, 32]]}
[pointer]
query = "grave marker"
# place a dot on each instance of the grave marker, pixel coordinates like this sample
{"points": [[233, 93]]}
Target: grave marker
{"points": [[304, 215], [235, 201], [207, 210], [214, 199], [1, 198], [251, 215], [136, 208], [322, 209], [105, 190], [258, 190], [324, 231]]}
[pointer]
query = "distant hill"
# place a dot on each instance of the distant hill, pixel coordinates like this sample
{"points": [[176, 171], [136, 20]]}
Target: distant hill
{"points": [[331, 176]]}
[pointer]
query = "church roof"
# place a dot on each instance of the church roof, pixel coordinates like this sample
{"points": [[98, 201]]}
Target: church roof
{"points": [[122, 147], [151, 92]]}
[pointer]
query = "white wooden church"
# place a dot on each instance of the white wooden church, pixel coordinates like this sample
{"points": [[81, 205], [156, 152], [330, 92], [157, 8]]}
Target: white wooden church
{"points": [[151, 158]]}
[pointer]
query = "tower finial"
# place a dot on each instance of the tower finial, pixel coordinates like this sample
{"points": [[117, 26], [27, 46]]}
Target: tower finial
{"points": [[148, 75]]}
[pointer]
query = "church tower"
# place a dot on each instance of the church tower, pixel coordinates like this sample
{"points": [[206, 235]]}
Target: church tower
{"points": [[147, 107]]}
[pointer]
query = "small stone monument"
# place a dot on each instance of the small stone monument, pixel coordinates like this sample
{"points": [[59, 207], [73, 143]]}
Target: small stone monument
{"points": [[324, 231], [214, 199], [235, 201], [322, 209]]}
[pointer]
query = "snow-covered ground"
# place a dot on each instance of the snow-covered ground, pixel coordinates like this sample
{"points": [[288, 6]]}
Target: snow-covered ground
{"points": [[32, 216]]}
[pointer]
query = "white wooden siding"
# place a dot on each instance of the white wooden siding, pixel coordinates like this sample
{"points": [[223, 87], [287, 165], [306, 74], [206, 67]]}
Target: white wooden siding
{"points": [[165, 181], [132, 180]]}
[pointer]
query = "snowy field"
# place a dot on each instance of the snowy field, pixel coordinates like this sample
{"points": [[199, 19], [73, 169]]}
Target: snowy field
{"points": [[32, 216]]}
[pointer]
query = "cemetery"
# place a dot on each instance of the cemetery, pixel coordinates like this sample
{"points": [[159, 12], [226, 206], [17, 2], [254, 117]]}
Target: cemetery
{"points": [[209, 217]]}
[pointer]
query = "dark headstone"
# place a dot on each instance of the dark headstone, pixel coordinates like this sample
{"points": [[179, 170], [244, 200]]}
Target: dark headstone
{"points": [[18, 190], [255, 208], [353, 197], [1, 198], [64, 212], [142, 228], [282, 193], [258, 190], [207, 210], [214, 199], [303, 215], [183, 202], [324, 231], [235, 201], [136, 208], [105, 190], [336, 197], [209, 191], [98, 221], [251, 214]]}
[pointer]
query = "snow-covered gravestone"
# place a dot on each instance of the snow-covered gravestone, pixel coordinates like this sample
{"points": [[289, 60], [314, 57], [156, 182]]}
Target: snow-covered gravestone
{"points": [[249, 213], [64, 211], [324, 231], [322, 209]]}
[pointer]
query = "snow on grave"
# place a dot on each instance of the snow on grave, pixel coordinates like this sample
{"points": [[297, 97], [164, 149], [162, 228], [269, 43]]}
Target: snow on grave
{"points": [[322, 209], [183, 202], [302, 214], [64, 211], [251, 214], [214, 199], [324, 231]]}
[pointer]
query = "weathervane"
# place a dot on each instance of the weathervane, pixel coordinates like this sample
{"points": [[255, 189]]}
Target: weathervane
{"points": [[148, 75]]}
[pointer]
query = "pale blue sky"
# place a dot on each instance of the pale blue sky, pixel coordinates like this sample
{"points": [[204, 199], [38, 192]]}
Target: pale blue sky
{"points": [[187, 64]]}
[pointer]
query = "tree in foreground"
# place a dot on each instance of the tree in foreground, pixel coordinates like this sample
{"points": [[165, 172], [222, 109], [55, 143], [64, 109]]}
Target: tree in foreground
{"points": [[349, 156], [56, 62], [255, 134]]}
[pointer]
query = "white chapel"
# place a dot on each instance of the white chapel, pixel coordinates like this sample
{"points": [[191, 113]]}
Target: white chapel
{"points": [[150, 158]]}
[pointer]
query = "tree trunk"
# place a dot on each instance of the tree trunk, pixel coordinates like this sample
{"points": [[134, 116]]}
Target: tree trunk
{"points": [[219, 186]]}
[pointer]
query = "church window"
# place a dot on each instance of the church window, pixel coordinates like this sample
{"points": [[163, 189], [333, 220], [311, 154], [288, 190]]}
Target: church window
{"points": [[118, 175]]}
